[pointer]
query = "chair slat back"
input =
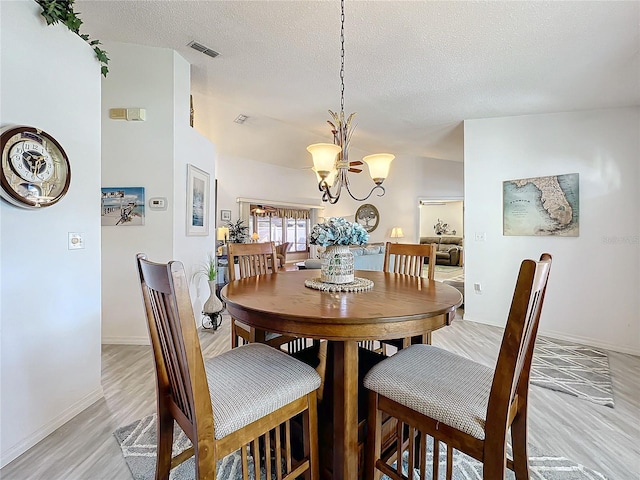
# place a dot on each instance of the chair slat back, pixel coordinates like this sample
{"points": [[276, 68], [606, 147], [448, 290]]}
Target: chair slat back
{"points": [[408, 258], [253, 259], [516, 351], [180, 371]]}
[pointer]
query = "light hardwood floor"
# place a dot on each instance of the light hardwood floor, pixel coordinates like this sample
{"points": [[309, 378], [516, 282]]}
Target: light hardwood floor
{"points": [[601, 438]]}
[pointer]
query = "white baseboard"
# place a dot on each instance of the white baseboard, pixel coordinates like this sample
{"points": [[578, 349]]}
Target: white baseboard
{"points": [[484, 322], [50, 427], [592, 342], [126, 340]]}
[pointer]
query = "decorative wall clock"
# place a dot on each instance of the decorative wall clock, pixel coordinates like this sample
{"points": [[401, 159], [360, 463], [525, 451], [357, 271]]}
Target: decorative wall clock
{"points": [[35, 170]]}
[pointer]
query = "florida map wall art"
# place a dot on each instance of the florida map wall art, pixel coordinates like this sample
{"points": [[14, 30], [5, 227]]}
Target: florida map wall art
{"points": [[541, 206]]}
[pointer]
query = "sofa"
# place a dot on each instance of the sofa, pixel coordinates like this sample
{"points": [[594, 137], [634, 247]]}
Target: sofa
{"points": [[366, 257], [448, 250]]}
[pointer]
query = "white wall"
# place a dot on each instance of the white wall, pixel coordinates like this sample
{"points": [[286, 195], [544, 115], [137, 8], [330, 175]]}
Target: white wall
{"points": [[592, 295], [241, 177], [152, 154], [135, 154], [190, 147], [50, 297]]}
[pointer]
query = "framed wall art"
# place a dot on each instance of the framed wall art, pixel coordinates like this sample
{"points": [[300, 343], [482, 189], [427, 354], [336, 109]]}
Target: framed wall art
{"points": [[225, 215], [367, 215], [197, 201], [122, 206], [541, 206]]}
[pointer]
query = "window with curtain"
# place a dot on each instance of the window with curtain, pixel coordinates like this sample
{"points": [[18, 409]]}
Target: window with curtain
{"points": [[279, 225]]}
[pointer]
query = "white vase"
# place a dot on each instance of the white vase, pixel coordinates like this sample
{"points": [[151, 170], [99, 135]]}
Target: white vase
{"points": [[213, 303], [337, 265]]}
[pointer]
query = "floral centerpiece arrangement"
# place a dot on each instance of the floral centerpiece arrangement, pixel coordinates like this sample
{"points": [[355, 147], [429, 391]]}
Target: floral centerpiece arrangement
{"points": [[336, 234], [337, 231]]}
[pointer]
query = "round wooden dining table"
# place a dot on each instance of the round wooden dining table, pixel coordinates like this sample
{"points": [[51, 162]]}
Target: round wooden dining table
{"points": [[398, 306]]}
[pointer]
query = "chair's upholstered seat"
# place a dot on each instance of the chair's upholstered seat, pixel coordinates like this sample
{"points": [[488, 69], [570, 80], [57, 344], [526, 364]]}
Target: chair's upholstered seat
{"points": [[437, 383], [267, 336], [249, 382]]}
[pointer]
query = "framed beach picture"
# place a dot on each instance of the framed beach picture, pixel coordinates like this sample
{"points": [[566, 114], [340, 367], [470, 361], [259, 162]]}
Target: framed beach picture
{"points": [[197, 201], [122, 206]]}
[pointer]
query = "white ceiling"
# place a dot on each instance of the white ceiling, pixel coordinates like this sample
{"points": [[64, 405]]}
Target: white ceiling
{"points": [[414, 69]]}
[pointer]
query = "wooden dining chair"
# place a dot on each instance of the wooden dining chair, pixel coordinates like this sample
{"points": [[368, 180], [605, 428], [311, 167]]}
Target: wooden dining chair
{"points": [[466, 405], [256, 259], [243, 398], [408, 259]]}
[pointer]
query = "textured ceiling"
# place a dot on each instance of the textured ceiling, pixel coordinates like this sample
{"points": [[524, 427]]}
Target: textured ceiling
{"points": [[414, 69]]}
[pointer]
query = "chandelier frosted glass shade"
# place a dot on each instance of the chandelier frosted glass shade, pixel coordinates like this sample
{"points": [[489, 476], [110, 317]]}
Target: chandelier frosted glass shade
{"points": [[330, 179], [332, 169], [324, 162], [324, 157], [379, 164]]}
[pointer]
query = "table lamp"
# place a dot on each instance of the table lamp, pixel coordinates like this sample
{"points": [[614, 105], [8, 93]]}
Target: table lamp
{"points": [[222, 236], [396, 232]]}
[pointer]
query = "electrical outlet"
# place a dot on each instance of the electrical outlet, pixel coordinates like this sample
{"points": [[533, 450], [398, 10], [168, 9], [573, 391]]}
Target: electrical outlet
{"points": [[477, 288], [480, 236]]}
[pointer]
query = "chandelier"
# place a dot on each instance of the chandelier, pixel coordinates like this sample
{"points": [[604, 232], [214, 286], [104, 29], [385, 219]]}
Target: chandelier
{"points": [[331, 160]]}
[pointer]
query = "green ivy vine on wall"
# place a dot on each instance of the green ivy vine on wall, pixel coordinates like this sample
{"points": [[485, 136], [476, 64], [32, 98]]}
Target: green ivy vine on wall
{"points": [[55, 11]]}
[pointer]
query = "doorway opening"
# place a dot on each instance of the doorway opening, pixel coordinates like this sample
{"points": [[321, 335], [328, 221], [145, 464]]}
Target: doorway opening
{"points": [[442, 222]]}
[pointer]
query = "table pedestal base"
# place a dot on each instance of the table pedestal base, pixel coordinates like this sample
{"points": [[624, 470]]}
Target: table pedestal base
{"points": [[334, 357]]}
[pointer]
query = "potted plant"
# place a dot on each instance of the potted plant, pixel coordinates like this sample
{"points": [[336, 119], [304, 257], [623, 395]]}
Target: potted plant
{"points": [[238, 232], [55, 11], [213, 306], [206, 269]]}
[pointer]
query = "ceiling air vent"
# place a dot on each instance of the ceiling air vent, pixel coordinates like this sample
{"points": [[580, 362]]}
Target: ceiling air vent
{"points": [[241, 119], [206, 50]]}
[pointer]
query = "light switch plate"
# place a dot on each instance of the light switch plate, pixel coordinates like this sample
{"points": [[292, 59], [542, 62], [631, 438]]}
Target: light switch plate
{"points": [[76, 240]]}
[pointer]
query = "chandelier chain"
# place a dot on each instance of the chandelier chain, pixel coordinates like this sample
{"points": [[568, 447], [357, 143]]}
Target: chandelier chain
{"points": [[333, 167], [342, 59]]}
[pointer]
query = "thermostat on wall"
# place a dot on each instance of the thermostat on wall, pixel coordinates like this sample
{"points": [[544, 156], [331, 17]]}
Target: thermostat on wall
{"points": [[158, 203]]}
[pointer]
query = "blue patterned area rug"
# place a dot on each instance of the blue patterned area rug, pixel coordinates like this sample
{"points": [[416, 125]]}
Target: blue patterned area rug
{"points": [[540, 468], [577, 370], [138, 444]]}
